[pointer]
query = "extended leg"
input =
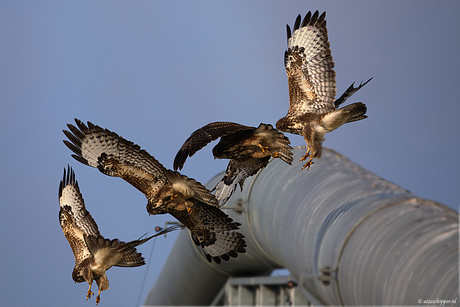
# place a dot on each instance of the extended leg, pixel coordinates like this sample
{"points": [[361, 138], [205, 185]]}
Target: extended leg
{"points": [[90, 293], [307, 155], [310, 158], [98, 297], [308, 164]]}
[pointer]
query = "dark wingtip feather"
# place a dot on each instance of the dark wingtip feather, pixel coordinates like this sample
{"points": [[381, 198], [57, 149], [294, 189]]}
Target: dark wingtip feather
{"points": [[297, 22], [77, 133], [72, 147], [322, 17], [68, 178], [314, 18], [179, 160], [306, 19], [288, 32], [75, 140], [81, 159]]}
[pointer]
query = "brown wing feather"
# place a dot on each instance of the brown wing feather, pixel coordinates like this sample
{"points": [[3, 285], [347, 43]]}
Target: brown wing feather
{"points": [[309, 66], [203, 136], [235, 174], [213, 230]]}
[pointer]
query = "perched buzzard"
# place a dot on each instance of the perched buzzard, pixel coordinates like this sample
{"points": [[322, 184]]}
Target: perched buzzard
{"points": [[167, 191], [248, 149], [312, 87], [94, 254]]}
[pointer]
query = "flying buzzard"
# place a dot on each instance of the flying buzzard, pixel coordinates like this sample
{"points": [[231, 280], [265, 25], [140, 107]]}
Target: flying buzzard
{"points": [[248, 149], [167, 191], [312, 87], [94, 254]]}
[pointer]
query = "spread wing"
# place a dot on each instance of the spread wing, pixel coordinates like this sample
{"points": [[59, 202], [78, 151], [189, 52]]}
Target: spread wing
{"points": [[115, 156], [202, 137], [75, 220], [309, 66]]}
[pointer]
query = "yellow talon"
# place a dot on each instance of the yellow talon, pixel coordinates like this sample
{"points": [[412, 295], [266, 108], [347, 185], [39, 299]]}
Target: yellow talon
{"points": [[263, 148], [307, 155], [308, 164], [173, 196], [276, 155], [90, 293]]}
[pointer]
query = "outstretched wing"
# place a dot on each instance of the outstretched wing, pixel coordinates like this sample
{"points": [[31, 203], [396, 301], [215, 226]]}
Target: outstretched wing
{"points": [[115, 156], [309, 66], [235, 174], [202, 137], [75, 220], [213, 230]]}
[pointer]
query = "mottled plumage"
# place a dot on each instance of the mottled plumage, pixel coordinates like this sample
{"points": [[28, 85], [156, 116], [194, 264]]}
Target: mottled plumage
{"points": [[167, 191], [94, 254], [248, 148], [312, 87]]}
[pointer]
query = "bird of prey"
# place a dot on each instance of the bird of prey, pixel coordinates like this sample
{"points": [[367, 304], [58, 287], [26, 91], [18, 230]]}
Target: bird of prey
{"points": [[248, 148], [313, 110], [167, 191], [94, 254]]}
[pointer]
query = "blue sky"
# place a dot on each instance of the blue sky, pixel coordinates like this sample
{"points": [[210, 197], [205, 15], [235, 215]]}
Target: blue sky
{"points": [[154, 71]]}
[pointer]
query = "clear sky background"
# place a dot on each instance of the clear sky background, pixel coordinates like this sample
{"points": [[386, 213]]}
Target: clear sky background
{"points": [[154, 71]]}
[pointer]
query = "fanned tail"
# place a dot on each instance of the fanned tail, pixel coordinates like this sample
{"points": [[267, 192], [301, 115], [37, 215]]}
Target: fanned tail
{"points": [[116, 252], [119, 253], [356, 111]]}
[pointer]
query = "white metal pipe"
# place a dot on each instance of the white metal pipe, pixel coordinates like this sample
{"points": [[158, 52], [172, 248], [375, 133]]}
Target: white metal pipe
{"points": [[348, 236]]}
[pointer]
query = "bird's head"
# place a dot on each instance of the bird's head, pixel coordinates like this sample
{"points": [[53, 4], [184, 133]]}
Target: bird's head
{"points": [[282, 124], [77, 274]]}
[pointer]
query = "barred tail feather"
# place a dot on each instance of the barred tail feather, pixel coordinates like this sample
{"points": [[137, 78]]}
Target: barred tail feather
{"points": [[115, 252], [356, 112]]}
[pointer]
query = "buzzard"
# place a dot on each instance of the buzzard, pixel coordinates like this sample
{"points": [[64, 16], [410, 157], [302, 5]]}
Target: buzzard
{"points": [[313, 110], [248, 148], [167, 191], [94, 254]]}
